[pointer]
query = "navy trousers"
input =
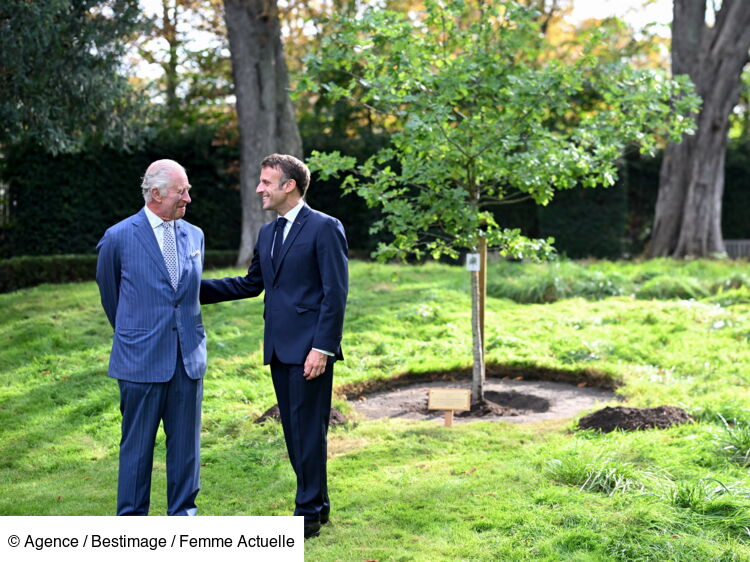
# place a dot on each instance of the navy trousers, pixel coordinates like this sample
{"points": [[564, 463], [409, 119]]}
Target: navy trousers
{"points": [[305, 408], [143, 405]]}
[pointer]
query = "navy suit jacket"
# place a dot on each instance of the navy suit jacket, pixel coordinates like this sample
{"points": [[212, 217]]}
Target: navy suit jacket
{"points": [[149, 317], [305, 296]]}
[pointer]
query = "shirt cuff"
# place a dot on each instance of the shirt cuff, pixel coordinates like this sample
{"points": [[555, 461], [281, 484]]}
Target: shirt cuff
{"points": [[325, 352]]}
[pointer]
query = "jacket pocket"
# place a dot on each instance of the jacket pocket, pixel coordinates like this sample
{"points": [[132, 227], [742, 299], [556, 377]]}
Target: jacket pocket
{"points": [[302, 308]]}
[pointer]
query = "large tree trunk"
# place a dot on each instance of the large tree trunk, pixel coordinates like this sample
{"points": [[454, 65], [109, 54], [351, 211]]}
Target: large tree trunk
{"points": [[691, 182], [265, 112]]}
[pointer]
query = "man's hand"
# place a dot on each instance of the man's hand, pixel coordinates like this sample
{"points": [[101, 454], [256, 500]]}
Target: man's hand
{"points": [[315, 364]]}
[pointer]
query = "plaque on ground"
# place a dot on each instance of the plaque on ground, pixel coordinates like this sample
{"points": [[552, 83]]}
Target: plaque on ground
{"points": [[450, 400]]}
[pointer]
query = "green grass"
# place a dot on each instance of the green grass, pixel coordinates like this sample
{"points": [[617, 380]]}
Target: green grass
{"points": [[406, 490], [656, 279]]}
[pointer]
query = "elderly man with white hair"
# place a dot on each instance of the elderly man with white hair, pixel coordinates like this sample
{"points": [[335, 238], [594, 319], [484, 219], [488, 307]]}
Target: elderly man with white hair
{"points": [[149, 273]]}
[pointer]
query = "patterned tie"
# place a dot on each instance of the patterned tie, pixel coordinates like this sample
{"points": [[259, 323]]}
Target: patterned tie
{"points": [[278, 240], [170, 253]]}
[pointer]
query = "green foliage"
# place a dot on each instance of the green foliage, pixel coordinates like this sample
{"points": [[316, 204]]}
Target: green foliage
{"points": [[697, 496], [665, 287], [28, 271], [63, 204], [600, 475], [723, 283], [735, 441], [188, 40], [59, 81], [736, 200], [484, 120], [17, 273], [587, 223], [341, 127]]}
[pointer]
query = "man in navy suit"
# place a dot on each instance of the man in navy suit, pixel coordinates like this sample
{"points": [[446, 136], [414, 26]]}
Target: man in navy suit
{"points": [[300, 260], [149, 272]]}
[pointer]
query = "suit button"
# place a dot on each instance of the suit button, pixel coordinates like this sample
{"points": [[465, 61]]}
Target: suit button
{"points": [[174, 329]]}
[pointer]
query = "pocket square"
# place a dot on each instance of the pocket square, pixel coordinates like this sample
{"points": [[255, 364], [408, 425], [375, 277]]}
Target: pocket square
{"points": [[195, 254]]}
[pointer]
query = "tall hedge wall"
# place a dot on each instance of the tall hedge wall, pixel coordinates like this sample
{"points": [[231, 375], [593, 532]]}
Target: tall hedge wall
{"points": [[735, 223], [63, 204]]}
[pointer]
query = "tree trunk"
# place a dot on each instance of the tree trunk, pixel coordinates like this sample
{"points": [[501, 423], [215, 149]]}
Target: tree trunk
{"points": [[169, 32], [482, 247], [265, 112], [478, 372], [691, 182]]}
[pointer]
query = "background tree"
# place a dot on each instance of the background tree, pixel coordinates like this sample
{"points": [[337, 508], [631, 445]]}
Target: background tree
{"points": [[187, 41], [59, 80], [740, 119], [483, 122], [691, 184], [265, 112]]}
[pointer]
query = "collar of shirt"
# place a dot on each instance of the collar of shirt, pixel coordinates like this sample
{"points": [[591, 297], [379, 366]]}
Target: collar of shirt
{"points": [[155, 223], [291, 216], [154, 220]]}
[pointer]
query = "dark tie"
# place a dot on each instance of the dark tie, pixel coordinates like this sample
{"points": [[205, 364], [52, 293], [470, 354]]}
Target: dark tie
{"points": [[278, 240]]}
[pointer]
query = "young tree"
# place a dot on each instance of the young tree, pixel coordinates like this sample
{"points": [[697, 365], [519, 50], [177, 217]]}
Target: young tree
{"points": [[265, 112], [59, 80], [484, 120], [691, 183]]}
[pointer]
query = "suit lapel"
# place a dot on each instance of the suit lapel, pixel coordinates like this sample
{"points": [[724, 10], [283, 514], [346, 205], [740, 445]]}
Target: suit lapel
{"points": [[182, 249], [294, 231], [265, 244], [145, 235]]}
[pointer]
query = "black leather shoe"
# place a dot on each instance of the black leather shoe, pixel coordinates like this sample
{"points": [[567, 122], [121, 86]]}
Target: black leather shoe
{"points": [[312, 529], [323, 518]]}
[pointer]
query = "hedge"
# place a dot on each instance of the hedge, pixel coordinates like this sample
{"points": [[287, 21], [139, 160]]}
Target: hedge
{"points": [[28, 271], [63, 204]]}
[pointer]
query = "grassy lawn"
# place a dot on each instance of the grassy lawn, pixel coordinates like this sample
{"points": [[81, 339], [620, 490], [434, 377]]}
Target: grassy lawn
{"points": [[661, 332]]}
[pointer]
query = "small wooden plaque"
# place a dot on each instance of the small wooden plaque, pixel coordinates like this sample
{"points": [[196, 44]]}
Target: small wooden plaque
{"points": [[449, 399]]}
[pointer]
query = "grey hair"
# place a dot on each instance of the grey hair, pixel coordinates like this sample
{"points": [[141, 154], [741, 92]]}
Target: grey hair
{"points": [[160, 175]]}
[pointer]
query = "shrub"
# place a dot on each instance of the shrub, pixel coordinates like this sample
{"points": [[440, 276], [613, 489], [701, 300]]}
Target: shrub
{"points": [[28, 271], [600, 475], [666, 287], [735, 442]]}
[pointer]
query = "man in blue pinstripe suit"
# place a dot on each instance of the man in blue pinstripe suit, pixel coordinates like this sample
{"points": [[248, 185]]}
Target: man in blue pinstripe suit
{"points": [[149, 273]]}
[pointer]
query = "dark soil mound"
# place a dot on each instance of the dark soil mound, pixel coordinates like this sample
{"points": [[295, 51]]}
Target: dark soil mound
{"points": [[336, 418], [630, 419], [506, 404], [518, 400]]}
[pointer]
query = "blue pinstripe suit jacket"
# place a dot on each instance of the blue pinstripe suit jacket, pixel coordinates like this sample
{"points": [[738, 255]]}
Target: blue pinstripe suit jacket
{"points": [[149, 316]]}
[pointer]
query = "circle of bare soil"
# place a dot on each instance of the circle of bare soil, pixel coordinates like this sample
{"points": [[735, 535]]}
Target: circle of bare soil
{"points": [[630, 419], [511, 398]]}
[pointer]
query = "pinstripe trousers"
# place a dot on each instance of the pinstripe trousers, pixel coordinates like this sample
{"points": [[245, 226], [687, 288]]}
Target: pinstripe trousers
{"points": [[177, 403]]}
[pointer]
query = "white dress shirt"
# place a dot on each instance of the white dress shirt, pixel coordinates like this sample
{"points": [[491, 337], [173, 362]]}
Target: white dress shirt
{"points": [[156, 225], [290, 217]]}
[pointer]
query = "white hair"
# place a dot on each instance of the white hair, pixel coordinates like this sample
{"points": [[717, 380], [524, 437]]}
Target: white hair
{"points": [[160, 174]]}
